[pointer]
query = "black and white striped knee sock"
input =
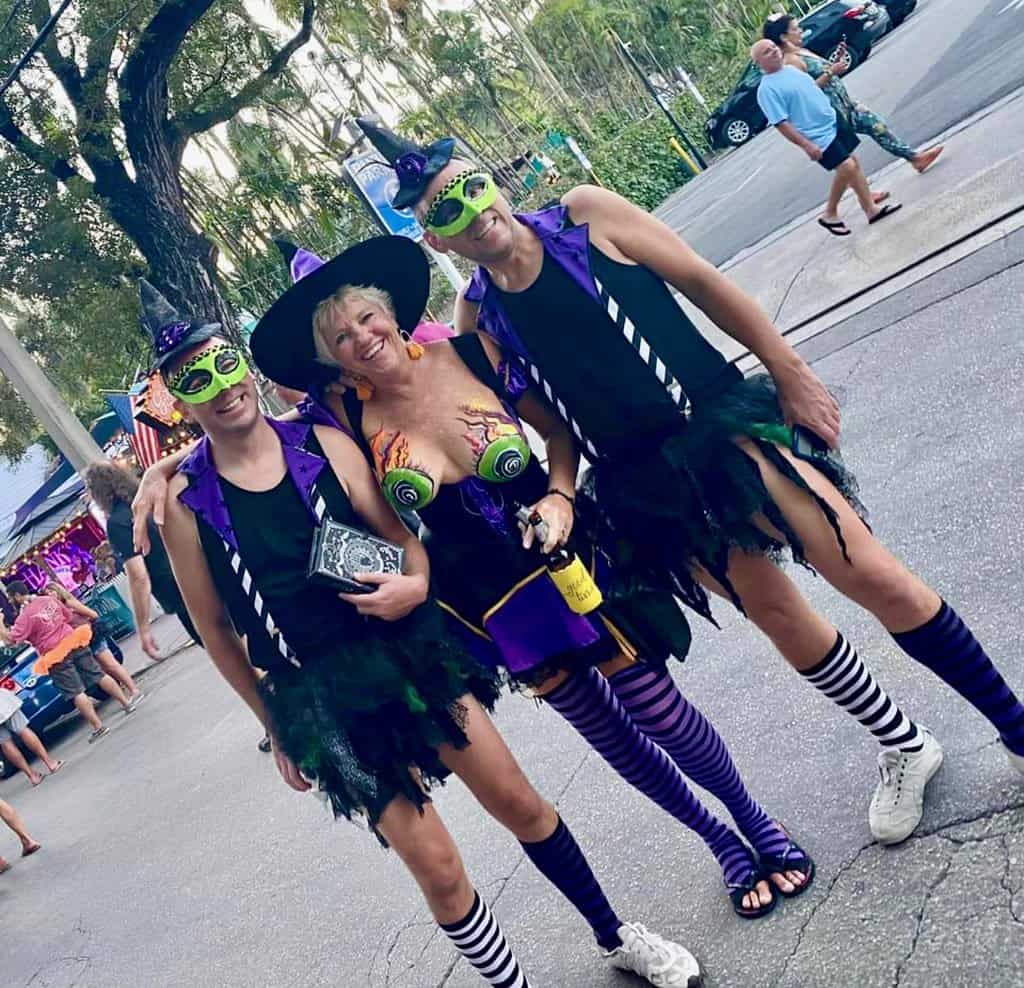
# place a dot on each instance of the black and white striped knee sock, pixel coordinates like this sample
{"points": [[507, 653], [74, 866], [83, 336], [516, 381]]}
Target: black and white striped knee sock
{"points": [[479, 939], [844, 679]]}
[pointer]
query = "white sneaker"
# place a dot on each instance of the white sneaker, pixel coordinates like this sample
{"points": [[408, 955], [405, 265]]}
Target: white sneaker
{"points": [[663, 963], [898, 802], [1017, 761]]}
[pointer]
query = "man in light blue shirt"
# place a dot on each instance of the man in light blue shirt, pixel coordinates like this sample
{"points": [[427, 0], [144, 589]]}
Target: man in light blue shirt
{"points": [[802, 113]]}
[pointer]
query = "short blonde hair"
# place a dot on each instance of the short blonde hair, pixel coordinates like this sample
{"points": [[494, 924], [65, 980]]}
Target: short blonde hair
{"points": [[327, 311]]}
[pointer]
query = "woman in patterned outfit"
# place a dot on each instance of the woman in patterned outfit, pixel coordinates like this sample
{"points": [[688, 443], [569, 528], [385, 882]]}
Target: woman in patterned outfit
{"points": [[784, 30]]}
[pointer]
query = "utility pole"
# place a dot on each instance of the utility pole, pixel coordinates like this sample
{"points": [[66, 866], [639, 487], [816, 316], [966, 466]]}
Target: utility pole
{"points": [[28, 379], [657, 97]]}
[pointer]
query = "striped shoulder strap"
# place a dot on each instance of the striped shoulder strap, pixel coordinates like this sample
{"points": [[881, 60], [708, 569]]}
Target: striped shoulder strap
{"points": [[255, 599]]}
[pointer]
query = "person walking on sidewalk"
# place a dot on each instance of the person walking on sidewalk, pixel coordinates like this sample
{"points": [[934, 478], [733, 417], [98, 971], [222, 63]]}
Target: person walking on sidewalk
{"points": [[81, 614], [801, 112], [112, 488], [14, 724], [785, 31], [29, 845], [701, 472], [64, 654]]}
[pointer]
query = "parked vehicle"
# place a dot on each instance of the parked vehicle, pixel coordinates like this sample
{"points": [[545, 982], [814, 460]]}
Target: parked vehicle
{"points": [[41, 702], [898, 10], [859, 22]]}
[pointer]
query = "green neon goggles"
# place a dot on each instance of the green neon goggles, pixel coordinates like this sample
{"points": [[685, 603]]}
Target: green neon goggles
{"points": [[208, 373], [460, 202]]}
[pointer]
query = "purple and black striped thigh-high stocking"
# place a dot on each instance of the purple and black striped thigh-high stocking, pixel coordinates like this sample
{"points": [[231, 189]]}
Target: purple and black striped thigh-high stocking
{"points": [[651, 698], [586, 701]]}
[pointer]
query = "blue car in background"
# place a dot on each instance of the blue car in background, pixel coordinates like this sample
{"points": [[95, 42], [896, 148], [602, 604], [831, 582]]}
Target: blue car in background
{"points": [[41, 703]]}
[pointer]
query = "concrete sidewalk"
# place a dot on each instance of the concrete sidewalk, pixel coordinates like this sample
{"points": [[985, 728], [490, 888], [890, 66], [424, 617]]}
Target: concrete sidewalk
{"points": [[807, 280]]}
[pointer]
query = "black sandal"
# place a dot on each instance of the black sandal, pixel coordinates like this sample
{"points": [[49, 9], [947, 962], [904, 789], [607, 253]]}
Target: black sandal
{"points": [[887, 210], [838, 229], [739, 890], [793, 858]]}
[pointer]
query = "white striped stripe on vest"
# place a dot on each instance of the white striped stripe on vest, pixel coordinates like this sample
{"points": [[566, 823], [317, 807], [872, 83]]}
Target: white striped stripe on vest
{"points": [[638, 342], [255, 598]]}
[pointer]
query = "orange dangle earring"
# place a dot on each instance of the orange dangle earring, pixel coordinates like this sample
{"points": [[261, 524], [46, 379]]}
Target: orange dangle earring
{"points": [[364, 389], [414, 349]]}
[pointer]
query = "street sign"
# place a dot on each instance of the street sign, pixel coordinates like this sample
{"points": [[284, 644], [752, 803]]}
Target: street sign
{"points": [[377, 183]]}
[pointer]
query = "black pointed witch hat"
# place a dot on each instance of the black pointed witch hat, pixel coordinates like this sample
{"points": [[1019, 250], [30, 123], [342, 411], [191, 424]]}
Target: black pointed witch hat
{"points": [[282, 342], [414, 165], [169, 332]]}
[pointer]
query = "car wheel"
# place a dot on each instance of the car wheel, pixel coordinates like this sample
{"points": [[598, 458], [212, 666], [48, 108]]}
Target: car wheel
{"points": [[737, 131], [6, 768], [853, 58]]}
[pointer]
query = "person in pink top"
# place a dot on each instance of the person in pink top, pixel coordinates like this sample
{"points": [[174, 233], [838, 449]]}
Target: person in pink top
{"points": [[45, 623]]}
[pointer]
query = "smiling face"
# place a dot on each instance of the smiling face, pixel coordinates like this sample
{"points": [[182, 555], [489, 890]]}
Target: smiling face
{"points": [[215, 372], [492, 233], [356, 329]]}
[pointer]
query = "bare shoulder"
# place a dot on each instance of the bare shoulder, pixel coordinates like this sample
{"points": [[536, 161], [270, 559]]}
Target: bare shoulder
{"points": [[587, 202]]}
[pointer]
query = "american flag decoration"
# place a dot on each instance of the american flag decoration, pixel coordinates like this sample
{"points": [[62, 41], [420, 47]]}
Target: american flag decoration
{"points": [[145, 440]]}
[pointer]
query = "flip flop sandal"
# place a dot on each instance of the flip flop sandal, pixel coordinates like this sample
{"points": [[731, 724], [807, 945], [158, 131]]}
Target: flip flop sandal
{"points": [[29, 851], [793, 858], [739, 890], [887, 210], [839, 229]]}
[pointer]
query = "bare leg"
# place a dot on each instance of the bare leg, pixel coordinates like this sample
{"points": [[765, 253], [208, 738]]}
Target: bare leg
{"points": [[494, 777], [840, 183], [106, 661], [859, 183], [14, 755], [423, 843], [110, 687], [84, 706], [10, 816], [873, 578], [33, 742]]}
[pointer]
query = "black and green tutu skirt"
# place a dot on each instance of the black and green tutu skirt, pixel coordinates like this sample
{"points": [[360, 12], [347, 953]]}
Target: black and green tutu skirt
{"points": [[365, 719], [689, 493]]}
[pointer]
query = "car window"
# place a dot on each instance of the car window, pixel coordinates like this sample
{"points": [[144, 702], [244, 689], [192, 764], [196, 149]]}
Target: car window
{"points": [[750, 78]]}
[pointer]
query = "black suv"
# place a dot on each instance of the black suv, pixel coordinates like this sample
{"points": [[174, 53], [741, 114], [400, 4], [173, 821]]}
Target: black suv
{"points": [[861, 22]]}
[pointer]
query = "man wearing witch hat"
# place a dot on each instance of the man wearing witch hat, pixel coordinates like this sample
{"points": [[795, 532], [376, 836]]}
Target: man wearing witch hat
{"points": [[367, 697], [697, 470]]}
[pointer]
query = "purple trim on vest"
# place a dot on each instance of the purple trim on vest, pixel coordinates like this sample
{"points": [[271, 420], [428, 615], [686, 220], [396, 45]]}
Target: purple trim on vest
{"points": [[568, 247], [205, 497], [515, 381]]}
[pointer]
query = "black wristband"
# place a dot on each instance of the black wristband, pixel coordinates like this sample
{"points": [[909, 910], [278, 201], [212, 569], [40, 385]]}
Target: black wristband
{"points": [[555, 490]]}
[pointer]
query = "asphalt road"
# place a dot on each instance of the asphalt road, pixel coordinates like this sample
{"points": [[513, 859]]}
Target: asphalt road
{"points": [[174, 856], [949, 59]]}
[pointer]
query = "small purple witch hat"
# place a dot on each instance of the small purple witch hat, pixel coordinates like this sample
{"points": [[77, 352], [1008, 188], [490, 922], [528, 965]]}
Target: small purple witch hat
{"points": [[169, 333]]}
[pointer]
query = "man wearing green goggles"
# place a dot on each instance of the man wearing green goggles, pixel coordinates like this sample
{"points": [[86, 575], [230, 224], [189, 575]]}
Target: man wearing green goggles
{"points": [[204, 376], [461, 201]]}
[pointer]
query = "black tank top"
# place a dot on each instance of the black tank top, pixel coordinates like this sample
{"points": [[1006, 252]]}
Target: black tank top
{"points": [[607, 386], [274, 530]]}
